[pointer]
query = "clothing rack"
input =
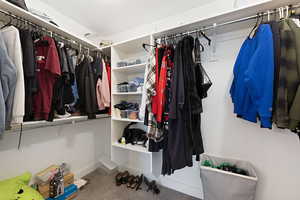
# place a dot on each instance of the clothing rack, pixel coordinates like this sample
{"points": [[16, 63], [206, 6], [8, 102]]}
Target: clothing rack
{"points": [[285, 9], [29, 20]]}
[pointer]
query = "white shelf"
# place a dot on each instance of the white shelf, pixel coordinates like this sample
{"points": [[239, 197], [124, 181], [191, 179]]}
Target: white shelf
{"points": [[138, 68], [56, 122], [127, 120], [127, 93], [136, 148], [6, 6]]}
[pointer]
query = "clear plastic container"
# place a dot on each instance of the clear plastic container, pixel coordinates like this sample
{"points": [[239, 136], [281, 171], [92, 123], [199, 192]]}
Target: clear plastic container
{"points": [[122, 88], [132, 88], [132, 114], [124, 114]]}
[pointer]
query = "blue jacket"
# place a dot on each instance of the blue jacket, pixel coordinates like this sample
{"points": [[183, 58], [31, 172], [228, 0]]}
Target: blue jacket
{"points": [[252, 88], [239, 93], [259, 76]]}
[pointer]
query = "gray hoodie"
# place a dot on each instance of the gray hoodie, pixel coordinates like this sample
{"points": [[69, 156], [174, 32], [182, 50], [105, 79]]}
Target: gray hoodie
{"points": [[8, 76]]}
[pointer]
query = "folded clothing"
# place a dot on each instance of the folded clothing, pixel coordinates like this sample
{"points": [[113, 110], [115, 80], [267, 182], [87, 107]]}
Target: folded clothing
{"points": [[124, 105]]}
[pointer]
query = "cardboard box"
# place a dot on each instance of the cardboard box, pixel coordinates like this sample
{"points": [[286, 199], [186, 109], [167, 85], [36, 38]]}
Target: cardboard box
{"points": [[44, 188]]}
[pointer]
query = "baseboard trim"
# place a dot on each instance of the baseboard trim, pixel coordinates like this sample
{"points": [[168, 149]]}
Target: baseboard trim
{"points": [[181, 187], [87, 170]]}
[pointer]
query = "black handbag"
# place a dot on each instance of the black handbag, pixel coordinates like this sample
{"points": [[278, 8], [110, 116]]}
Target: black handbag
{"points": [[134, 135], [19, 3]]}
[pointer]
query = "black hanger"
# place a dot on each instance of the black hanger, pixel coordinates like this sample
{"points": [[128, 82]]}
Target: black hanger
{"points": [[257, 23], [149, 45], [202, 47], [205, 36], [8, 24]]}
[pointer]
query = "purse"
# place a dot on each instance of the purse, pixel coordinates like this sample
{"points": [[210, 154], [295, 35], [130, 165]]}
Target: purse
{"points": [[134, 136], [19, 3]]}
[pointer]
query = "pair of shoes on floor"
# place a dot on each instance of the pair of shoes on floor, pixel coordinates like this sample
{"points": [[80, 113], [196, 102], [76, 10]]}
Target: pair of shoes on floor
{"points": [[133, 182], [152, 186]]}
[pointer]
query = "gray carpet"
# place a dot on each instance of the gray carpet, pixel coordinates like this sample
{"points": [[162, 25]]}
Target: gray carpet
{"points": [[102, 187]]}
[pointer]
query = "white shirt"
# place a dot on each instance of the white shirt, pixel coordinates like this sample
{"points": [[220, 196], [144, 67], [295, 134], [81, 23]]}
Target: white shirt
{"points": [[12, 40]]}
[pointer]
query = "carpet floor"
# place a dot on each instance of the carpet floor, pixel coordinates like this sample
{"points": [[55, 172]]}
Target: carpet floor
{"points": [[102, 186]]}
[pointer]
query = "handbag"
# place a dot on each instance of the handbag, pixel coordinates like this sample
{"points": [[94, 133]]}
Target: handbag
{"points": [[134, 135], [19, 3]]}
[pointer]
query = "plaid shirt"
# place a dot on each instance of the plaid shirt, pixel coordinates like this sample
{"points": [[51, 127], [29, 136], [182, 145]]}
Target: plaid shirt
{"points": [[152, 131], [288, 76]]}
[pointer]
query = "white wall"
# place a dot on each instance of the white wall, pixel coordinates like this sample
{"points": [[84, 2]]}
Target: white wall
{"points": [[213, 9], [177, 19], [81, 145], [62, 20], [274, 153]]}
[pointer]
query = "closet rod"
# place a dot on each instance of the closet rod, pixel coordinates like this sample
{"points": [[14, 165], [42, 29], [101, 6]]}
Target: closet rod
{"points": [[52, 33], [274, 11]]}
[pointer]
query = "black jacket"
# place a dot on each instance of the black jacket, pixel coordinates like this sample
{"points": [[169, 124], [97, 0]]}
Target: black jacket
{"points": [[86, 89], [29, 67]]}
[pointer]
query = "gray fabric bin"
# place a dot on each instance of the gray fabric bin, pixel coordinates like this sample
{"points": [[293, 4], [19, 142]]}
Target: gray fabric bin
{"points": [[223, 185]]}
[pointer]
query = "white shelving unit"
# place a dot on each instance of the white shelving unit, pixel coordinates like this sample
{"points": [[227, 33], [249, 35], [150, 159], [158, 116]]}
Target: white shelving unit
{"points": [[138, 68], [127, 93], [132, 156]]}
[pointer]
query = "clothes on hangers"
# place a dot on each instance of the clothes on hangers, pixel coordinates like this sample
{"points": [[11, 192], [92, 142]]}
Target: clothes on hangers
{"points": [[30, 72], [271, 91], [11, 38], [8, 76], [294, 113], [48, 71], [87, 102], [173, 92], [102, 89], [38, 79]]}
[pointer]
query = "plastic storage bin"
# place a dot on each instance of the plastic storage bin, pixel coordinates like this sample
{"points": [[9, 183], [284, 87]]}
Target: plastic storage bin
{"points": [[132, 114], [223, 185], [122, 87], [124, 114], [132, 88]]}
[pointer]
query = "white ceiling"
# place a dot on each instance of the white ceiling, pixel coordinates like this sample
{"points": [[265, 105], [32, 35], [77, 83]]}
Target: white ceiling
{"points": [[107, 17]]}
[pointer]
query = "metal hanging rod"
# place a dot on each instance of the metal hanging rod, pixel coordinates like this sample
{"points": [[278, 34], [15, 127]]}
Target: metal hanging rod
{"points": [[215, 25], [51, 33]]}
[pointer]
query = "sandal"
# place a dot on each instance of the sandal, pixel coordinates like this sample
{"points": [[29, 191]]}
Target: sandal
{"points": [[125, 177], [122, 178], [119, 179], [135, 182], [139, 183], [130, 182]]}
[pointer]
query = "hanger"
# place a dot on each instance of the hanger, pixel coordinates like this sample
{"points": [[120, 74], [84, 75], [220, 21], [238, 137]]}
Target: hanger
{"points": [[149, 45], [281, 13], [258, 16], [197, 38], [8, 24], [287, 12], [205, 36]]}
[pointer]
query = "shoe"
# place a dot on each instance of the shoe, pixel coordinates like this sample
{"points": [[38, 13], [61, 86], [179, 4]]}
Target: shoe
{"points": [[122, 178], [140, 181], [66, 115]]}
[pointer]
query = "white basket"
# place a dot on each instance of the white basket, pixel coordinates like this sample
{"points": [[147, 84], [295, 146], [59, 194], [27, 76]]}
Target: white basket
{"points": [[223, 185]]}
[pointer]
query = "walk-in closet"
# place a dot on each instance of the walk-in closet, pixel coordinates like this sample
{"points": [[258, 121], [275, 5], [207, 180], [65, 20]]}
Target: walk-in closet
{"points": [[131, 100]]}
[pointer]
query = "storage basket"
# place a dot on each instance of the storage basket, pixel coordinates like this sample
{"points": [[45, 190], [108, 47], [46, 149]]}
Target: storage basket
{"points": [[223, 185]]}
